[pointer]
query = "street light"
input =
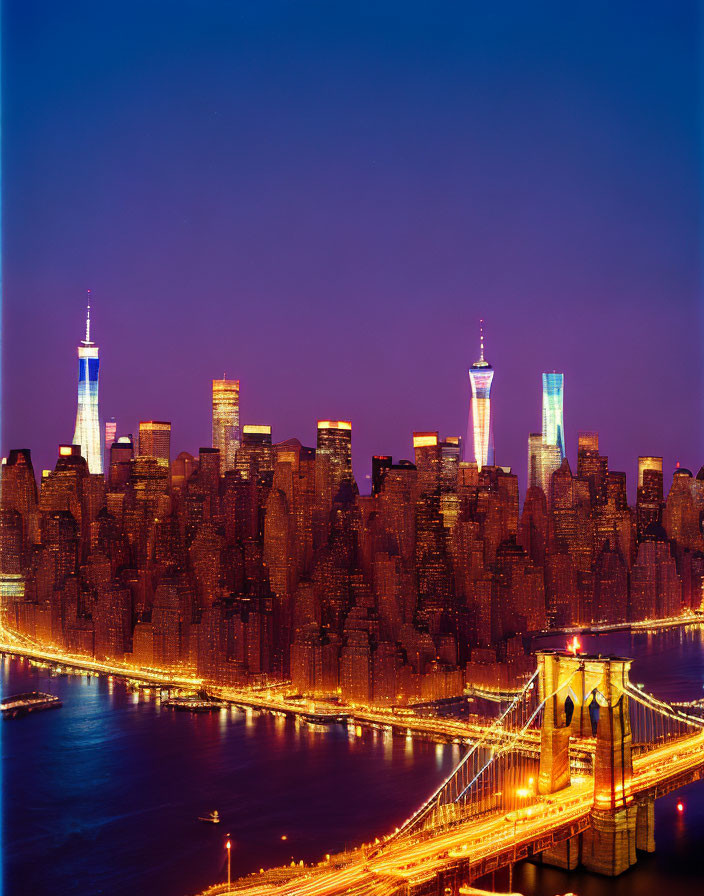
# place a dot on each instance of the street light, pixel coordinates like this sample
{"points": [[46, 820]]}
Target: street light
{"points": [[228, 847]]}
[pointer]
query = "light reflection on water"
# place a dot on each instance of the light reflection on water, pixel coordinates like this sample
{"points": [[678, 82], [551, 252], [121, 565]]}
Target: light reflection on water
{"points": [[669, 664], [108, 789]]}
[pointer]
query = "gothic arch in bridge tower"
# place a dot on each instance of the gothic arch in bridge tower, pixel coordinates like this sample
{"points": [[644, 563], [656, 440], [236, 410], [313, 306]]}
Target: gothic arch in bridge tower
{"points": [[569, 709], [594, 702]]}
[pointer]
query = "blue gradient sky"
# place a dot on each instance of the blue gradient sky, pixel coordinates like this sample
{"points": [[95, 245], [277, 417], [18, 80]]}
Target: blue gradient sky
{"points": [[322, 199]]}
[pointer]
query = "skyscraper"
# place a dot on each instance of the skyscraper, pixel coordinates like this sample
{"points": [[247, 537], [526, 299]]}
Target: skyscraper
{"points": [[256, 453], [380, 464], [650, 493], [226, 420], [155, 440], [87, 432], [110, 436], [481, 373], [335, 444], [592, 466], [543, 460], [649, 463], [553, 425]]}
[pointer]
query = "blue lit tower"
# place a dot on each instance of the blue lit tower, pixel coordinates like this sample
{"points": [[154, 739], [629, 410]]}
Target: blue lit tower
{"points": [[553, 396], [481, 373], [87, 433]]}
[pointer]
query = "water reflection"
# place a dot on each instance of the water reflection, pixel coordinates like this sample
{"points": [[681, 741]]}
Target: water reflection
{"points": [[122, 784]]}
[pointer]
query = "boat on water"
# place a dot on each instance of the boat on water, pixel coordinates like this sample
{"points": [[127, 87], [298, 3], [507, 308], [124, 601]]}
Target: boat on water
{"points": [[22, 704], [213, 818], [193, 704]]}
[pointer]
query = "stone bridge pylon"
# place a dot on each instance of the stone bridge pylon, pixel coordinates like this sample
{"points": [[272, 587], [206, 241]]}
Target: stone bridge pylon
{"points": [[586, 697]]}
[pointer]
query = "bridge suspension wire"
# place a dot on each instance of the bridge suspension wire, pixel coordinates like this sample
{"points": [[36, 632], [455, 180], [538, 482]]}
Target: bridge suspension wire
{"points": [[666, 709], [498, 773], [654, 722], [465, 770], [504, 748], [507, 754]]}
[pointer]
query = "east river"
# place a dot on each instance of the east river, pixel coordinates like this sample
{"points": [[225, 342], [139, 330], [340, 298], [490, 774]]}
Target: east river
{"points": [[103, 795]]}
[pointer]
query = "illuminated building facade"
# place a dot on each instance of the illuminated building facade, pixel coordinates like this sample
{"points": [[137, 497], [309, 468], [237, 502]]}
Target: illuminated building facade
{"points": [[650, 493], [256, 453], [543, 460], [592, 467], [87, 431], [121, 454], [653, 464], [110, 436], [335, 444], [481, 374], [553, 398], [226, 420], [155, 440]]}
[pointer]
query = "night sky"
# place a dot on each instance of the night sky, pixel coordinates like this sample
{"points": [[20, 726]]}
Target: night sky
{"points": [[322, 199]]}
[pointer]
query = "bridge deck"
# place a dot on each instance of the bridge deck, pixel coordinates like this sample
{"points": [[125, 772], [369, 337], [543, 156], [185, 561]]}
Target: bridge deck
{"points": [[480, 844]]}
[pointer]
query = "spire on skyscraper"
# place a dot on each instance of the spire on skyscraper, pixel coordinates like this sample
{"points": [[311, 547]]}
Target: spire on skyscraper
{"points": [[87, 431], [87, 341], [482, 362], [481, 374]]}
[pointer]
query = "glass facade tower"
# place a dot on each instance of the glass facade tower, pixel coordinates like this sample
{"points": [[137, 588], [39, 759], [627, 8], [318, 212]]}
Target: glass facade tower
{"points": [[87, 432], [226, 420], [481, 374], [155, 440], [553, 424]]}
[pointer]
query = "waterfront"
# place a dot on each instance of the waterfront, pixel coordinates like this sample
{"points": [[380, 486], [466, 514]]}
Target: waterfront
{"points": [[107, 790], [103, 795]]}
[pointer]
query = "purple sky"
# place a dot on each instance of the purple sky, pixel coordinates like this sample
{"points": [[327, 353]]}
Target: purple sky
{"points": [[323, 199]]}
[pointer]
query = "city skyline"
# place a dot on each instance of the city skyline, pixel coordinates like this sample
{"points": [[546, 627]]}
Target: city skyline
{"points": [[226, 425], [363, 552], [352, 237]]}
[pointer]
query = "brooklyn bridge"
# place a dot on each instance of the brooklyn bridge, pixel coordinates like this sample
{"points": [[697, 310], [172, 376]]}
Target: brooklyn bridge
{"points": [[608, 750]]}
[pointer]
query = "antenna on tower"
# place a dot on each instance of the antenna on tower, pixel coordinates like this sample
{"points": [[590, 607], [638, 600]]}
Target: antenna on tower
{"points": [[481, 339], [87, 339]]}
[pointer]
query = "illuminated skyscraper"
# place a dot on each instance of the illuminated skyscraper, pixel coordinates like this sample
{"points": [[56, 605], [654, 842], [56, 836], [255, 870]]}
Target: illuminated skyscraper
{"points": [[649, 463], [592, 466], [335, 445], [155, 440], [481, 373], [553, 425], [256, 453], [650, 493], [543, 460], [226, 420], [87, 432], [110, 436]]}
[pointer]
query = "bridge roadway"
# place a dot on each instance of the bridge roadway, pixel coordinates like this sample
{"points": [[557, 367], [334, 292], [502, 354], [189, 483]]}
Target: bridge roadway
{"points": [[408, 865]]}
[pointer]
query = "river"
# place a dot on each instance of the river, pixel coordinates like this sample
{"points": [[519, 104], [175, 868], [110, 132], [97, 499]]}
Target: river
{"points": [[103, 795]]}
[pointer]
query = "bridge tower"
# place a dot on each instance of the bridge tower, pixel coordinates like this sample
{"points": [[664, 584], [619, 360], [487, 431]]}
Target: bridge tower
{"points": [[553, 683], [585, 698]]}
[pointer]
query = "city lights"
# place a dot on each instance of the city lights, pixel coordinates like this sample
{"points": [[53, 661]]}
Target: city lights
{"points": [[329, 568], [574, 646]]}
